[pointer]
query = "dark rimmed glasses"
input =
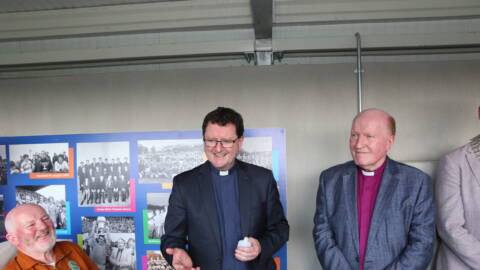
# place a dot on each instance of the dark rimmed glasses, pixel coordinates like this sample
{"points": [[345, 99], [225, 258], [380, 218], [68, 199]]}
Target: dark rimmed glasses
{"points": [[225, 143]]}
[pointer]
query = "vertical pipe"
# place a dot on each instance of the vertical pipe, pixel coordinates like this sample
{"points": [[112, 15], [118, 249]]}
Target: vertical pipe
{"points": [[359, 72]]}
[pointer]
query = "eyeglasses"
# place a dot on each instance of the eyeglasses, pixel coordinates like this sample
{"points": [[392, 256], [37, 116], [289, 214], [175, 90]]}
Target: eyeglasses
{"points": [[224, 143]]}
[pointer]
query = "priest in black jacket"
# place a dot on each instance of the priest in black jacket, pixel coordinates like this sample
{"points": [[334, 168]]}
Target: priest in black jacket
{"points": [[222, 201]]}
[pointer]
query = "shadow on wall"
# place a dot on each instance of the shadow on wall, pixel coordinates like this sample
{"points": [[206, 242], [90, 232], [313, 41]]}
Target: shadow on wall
{"points": [[428, 166]]}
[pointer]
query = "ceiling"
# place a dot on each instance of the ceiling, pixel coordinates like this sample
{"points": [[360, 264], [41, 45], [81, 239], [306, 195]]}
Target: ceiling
{"points": [[64, 33], [7, 6]]}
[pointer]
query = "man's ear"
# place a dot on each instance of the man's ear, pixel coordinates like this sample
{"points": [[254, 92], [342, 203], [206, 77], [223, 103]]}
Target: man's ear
{"points": [[12, 239], [240, 142], [390, 140]]}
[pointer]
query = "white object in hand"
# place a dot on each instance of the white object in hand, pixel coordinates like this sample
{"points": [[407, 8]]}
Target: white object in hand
{"points": [[244, 242]]}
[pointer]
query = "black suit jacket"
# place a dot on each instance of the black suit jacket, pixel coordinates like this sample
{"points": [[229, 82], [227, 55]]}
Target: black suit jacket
{"points": [[192, 216]]}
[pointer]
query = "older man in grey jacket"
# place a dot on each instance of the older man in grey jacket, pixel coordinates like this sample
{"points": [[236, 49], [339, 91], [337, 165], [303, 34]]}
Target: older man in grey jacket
{"points": [[373, 212]]}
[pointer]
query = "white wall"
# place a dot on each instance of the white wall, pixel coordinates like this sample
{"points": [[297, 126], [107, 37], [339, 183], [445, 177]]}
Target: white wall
{"points": [[434, 103]]}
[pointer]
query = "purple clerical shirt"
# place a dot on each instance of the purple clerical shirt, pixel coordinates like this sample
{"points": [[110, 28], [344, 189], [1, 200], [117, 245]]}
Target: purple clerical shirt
{"points": [[367, 189]]}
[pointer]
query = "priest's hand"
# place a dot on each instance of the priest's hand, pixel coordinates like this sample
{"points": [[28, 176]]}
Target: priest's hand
{"points": [[181, 260], [246, 254]]}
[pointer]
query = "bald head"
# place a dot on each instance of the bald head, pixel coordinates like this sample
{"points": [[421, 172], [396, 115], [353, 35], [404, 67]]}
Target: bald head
{"points": [[379, 115], [372, 135], [12, 216]]}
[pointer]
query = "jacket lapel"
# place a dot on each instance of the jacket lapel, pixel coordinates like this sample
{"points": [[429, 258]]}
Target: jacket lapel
{"points": [[244, 187], [387, 187], [207, 196], [474, 164], [350, 187]]}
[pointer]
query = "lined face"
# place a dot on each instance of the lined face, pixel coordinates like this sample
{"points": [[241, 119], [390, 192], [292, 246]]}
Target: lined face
{"points": [[219, 156], [370, 139], [34, 231]]}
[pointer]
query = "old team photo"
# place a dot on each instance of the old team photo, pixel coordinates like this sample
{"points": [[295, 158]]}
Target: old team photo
{"points": [[157, 205], [39, 158], [160, 160], [103, 174], [110, 242]]}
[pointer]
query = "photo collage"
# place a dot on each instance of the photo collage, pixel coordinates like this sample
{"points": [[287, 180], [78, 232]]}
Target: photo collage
{"points": [[109, 192]]}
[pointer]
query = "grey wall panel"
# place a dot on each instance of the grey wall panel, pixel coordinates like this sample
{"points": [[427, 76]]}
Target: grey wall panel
{"points": [[435, 104]]}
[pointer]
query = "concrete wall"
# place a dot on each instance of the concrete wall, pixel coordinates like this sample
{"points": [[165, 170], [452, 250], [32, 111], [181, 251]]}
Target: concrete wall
{"points": [[435, 105]]}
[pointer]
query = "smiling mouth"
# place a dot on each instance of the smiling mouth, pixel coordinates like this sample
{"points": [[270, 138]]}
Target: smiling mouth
{"points": [[44, 235]]}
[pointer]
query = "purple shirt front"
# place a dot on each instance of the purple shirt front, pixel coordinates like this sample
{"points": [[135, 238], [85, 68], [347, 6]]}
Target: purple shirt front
{"points": [[367, 190]]}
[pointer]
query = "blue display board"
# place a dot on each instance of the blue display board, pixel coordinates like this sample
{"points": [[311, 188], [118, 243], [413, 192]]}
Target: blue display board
{"points": [[114, 187]]}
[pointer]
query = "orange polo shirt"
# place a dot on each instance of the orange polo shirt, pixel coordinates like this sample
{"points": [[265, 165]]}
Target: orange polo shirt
{"points": [[68, 256]]}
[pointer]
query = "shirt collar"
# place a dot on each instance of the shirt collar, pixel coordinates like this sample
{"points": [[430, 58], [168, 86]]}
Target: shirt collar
{"points": [[27, 262]]}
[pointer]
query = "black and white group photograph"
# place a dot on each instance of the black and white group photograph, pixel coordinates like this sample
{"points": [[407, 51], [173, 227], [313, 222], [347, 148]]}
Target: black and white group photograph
{"points": [[50, 197], [258, 151], [157, 205], [103, 174], [110, 242], [39, 158], [160, 160], [156, 261], [3, 165]]}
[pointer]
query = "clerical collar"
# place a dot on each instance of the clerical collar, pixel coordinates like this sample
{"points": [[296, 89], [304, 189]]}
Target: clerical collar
{"points": [[367, 173], [223, 173], [378, 170]]}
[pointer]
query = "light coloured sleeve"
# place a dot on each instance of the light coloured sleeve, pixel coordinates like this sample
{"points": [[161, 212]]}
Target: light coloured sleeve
{"points": [[451, 214]]}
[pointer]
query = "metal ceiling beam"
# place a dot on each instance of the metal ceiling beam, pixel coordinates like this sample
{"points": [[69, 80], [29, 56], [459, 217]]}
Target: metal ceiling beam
{"points": [[262, 13]]}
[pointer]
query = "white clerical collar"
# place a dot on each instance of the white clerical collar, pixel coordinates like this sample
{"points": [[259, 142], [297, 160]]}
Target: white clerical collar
{"points": [[218, 172], [367, 173]]}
